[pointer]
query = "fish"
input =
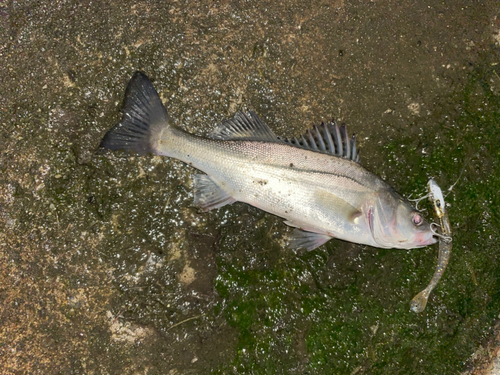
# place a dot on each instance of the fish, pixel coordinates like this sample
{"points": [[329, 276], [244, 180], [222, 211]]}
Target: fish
{"points": [[315, 182], [436, 198]]}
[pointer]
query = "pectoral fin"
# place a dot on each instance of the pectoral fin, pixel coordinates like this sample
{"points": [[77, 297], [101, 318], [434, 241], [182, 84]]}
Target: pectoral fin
{"points": [[325, 198], [208, 195]]}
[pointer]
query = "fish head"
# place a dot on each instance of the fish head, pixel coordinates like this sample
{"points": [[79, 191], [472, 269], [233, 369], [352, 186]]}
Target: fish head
{"points": [[395, 223]]}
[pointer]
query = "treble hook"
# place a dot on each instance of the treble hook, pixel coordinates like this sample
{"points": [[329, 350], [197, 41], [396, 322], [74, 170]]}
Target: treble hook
{"points": [[417, 200], [444, 237]]}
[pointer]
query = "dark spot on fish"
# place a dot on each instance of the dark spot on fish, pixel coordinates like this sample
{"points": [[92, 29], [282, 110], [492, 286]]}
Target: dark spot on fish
{"points": [[261, 182], [90, 199], [291, 165]]}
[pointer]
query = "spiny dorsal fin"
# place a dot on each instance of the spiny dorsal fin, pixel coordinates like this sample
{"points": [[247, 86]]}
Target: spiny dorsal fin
{"points": [[244, 126], [328, 138]]}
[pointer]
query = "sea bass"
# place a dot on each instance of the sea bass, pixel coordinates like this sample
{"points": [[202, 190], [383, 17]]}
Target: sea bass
{"points": [[315, 182]]}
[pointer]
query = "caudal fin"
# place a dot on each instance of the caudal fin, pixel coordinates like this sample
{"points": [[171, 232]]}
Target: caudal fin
{"points": [[144, 116]]}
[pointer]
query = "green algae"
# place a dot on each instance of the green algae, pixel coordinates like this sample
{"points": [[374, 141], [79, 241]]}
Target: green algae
{"points": [[361, 319]]}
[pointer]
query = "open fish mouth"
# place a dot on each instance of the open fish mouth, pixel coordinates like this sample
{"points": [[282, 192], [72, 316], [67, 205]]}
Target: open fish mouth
{"points": [[425, 238]]}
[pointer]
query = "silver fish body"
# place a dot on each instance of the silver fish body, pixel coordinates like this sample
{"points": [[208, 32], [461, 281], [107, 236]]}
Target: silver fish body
{"points": [[314, 183]]}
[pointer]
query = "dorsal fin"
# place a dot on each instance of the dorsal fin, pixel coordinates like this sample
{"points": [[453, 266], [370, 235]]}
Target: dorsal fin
{"points": [[328, 138], [244, 126]]}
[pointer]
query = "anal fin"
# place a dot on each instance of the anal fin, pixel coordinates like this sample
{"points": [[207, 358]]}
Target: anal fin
{"points": [[208, 195]]}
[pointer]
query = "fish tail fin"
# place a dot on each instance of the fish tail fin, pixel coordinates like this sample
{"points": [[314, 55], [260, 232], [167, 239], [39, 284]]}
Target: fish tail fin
{"points": [[143, 120]]}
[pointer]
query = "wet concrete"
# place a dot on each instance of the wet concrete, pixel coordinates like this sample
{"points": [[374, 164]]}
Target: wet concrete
{"points": [[106, 266]]}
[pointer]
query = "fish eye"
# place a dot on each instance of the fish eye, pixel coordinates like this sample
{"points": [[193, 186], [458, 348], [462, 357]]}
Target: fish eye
{"points": [[416, 218]]}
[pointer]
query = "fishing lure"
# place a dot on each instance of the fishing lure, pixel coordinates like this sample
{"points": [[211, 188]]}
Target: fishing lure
{"points": [[436, 198]]}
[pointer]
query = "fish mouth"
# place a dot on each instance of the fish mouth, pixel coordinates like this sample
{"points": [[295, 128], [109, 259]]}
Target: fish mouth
{"points": [[425, 238]]}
